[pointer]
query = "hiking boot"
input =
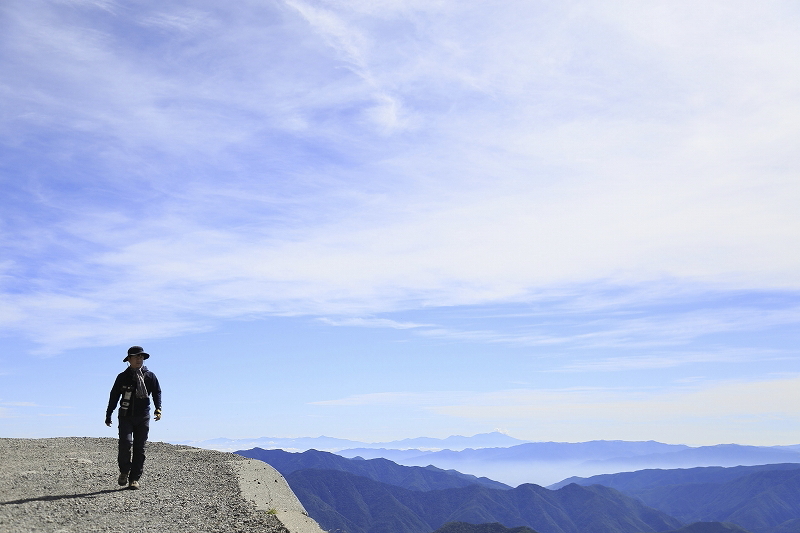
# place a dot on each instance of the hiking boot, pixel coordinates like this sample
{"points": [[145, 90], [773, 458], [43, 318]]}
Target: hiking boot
{"points": [[123, 479], [133, 485]]}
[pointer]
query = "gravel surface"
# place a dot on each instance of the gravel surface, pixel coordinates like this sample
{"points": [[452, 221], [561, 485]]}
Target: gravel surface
{"points": [[69, 485]]}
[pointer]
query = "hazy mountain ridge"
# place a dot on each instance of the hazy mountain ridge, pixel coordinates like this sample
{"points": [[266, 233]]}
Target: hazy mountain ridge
{"points": [[539, 451], [759, 502], [343, 501], [758, 499], [333, 444], [718, 455], [545, 463], [761, 499], [382, 470], [651, 478]]}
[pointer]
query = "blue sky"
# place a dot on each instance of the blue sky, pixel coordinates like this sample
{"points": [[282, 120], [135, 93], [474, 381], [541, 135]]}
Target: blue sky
{"points": [[384, 219]]}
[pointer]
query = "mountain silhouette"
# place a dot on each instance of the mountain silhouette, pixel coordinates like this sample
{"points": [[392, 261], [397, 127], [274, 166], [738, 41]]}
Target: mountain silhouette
{"points": [[718, 455], [464, 527], [710, 527], [657, 477], [383, 470], [761, 499], [341, 501]]}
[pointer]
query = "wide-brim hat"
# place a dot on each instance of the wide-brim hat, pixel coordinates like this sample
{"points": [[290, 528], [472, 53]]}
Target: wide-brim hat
{"points": [[136, 350]]}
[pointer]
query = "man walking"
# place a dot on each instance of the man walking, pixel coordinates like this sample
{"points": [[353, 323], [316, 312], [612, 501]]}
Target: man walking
{"points": [[133, 386]]}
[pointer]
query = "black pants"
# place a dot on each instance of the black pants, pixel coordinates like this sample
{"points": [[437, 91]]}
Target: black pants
{"points": [[133, 431]]}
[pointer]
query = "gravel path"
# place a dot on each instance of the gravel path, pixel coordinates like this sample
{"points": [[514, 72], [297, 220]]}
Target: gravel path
{"points": [[69, 485]]}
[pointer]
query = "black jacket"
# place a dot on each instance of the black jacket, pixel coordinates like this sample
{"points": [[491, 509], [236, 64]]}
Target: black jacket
{"points": [[141, 406]]}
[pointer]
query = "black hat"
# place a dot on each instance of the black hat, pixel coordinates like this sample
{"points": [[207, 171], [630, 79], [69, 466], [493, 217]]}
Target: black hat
{"points": [[136, 350]]}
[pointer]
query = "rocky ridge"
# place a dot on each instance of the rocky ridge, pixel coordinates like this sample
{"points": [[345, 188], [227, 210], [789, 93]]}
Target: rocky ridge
{"points": [[69, 485]]}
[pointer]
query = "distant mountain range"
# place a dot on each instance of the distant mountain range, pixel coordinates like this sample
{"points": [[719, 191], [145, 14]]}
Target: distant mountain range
{"points": [[640, 480], [341, 501], [513, 461], [547, 462], [761, 499], [463, 527], [719, 455], [710, 527], [380, 496], [557, 452], [331, 444], [382, 470]]}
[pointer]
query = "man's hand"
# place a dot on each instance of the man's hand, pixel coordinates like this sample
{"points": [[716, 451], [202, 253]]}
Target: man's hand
{"points": [[108, 422], [157, 414]]}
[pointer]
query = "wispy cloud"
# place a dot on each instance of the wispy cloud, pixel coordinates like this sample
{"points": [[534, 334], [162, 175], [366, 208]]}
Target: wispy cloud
{"points": [[407, 157], [10, 409], [387, 398], [672, 360], [699, 399], [647, 323], [769, 397], [709, 411], [373, 323], [183, 20]]}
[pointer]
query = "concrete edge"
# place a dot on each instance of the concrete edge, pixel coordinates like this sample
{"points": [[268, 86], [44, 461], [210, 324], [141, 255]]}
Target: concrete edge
{"points": [[266, 487]]}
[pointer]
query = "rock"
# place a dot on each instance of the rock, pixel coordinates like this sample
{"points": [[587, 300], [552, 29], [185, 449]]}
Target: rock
{"points": [[69, 485]]}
